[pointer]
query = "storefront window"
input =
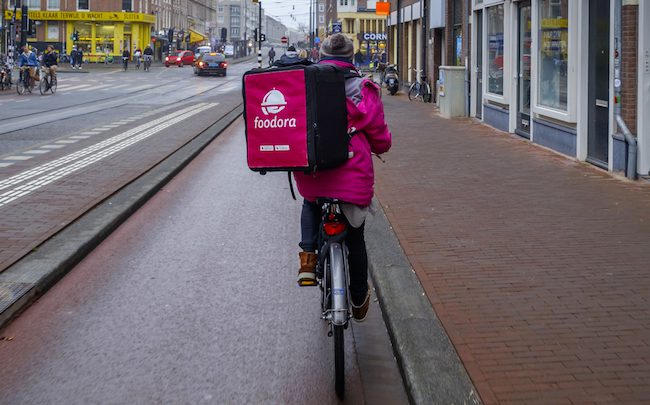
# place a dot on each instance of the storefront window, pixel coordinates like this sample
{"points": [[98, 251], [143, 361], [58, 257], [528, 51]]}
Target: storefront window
{"points": [[553, 53], [84, 29], [495, 49], [105, 35]]}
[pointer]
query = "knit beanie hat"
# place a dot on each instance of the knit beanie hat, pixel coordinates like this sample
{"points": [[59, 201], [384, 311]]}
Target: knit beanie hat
{"points": [[337, 45]]}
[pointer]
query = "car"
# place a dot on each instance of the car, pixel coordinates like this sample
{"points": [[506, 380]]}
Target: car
{"points": [[180, 58], [211, 64]]}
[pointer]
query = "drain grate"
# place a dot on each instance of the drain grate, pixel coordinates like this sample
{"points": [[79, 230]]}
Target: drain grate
{"points": [[11, 292]]}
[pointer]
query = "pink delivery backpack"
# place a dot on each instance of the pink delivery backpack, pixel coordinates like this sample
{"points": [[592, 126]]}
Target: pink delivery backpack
{"points": [[296, 118]]}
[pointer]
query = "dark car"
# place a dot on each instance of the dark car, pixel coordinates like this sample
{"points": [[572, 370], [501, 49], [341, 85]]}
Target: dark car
{"points": [[180, 58], [211, 64]]}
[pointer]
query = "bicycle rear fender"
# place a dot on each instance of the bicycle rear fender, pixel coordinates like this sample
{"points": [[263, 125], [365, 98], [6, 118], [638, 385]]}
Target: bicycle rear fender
{"points": [[339, 284]]}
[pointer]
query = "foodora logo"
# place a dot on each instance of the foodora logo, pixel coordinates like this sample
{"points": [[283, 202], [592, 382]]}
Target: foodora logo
{"points": [[273, 103]]}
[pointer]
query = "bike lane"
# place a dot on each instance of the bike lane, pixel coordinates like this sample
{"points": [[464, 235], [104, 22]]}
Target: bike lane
{"points": [[194, 300]]}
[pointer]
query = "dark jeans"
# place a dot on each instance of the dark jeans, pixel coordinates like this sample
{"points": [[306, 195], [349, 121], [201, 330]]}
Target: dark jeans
{"points": [[357, 258]]}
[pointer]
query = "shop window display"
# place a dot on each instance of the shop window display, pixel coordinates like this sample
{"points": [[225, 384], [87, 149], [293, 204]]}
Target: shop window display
{"points": [[495, 49], [104, 38], [553, 53]]}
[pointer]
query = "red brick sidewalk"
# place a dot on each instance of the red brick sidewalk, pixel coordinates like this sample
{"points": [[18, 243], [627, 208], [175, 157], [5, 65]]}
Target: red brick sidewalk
{"points": [[538, 266]]}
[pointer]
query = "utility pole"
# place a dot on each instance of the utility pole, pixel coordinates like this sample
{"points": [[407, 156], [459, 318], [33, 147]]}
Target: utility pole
{"points": [[311, 25], [11, 55], [259, 37]]}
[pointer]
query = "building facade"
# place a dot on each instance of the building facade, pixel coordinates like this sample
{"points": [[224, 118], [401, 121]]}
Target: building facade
{"points": [[364, 27], [548, 70], [100, 28]]}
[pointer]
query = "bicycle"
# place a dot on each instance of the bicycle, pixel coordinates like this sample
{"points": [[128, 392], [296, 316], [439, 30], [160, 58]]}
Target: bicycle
{"points": [[420, 89], [48, 82], [25, 81], [137, 63], [332, 275], [5, 78]]}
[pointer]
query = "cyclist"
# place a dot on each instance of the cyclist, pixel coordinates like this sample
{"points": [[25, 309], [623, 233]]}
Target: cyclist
{"points": [[27, 62], [50, 60], [148, 56], [136, 57], [352, 182], [290, 57], [126, 55]]}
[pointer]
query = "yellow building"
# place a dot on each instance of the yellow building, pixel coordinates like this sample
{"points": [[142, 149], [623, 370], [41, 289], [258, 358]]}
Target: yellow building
{"points": [[98, 33], [367, 31]]}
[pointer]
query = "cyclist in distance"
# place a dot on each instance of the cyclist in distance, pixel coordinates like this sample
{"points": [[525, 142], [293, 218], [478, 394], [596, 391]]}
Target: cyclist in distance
{"points": [[50, 60], [148, 54], [28, 61], [290, 58], [352, 182]]}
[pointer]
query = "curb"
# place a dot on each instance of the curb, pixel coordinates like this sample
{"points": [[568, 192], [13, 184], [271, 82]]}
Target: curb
{"points": [[28, 279], [431, 369]]}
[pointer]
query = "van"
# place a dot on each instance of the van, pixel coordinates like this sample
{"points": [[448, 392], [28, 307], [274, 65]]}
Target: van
{"points": [[204, 49]]}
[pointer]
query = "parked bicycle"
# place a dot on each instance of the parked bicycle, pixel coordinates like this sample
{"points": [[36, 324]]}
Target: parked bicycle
{"points": [[25, 81], [5, 77], [48, 82], [420, 88], [332, 273]]}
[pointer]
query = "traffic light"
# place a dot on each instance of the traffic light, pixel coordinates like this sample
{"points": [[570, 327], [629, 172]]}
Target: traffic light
{"points": [[255, 34], [262, 37], [224, 34], [170, 35]]}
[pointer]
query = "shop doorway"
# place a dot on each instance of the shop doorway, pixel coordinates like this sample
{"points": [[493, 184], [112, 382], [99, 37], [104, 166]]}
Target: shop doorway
{"points": [[598, 94], [479, 64], [524, 37], [127, 43]]}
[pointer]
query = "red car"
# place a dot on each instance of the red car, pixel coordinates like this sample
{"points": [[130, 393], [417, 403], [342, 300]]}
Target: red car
{"points": [[180, 58]]}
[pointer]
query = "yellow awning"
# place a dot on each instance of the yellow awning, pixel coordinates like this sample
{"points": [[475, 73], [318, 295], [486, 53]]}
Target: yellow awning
{"points": [[196, 37]]}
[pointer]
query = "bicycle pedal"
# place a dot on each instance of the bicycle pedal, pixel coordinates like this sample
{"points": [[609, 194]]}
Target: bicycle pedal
{"points": [[307, 283]]}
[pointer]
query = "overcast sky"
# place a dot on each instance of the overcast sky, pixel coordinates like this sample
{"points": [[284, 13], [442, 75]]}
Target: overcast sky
{"points": [[284, 9]]}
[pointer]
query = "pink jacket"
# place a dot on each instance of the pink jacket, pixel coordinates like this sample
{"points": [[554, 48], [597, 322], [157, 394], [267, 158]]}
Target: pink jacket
{"points": [[353, 181]]}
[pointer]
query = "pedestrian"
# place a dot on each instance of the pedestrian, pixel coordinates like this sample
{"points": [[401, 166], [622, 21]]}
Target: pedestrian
{"points": [[73, 57], [80, 57], [351, 182], [358, 58], [271, 56], [314, 55]]}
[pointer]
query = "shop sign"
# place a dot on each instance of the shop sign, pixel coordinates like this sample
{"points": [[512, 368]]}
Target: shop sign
{"points": [[84, 16], [372, 36]]}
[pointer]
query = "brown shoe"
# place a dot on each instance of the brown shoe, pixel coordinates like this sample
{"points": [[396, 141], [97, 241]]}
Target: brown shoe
{"points": [[307, 272], [359, 312]]}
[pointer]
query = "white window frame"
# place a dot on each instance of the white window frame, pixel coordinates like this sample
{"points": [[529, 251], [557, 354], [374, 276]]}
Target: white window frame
{"points": [[570, 115], [53, 8], [507, 52]]}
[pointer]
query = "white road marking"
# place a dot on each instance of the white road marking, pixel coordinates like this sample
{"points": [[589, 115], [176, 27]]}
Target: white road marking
{"points": [[67, 141], [34, 185], [5, 164], [80, 137], [17, 158], [90, 133], [92, 149], [98, 130], [37, 151], [68, 88]]}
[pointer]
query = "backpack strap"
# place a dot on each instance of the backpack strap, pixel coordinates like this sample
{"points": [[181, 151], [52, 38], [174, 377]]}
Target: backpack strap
{"points": [[293, 193]]}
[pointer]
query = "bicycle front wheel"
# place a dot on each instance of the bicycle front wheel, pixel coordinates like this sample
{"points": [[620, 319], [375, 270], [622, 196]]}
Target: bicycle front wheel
{"points": [[20, 86], [414, 91], [42, 86], [53, 85], [339, 361]]}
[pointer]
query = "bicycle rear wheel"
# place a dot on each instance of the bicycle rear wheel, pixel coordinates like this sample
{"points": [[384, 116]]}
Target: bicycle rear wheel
{"points": [[414, 91], [426, 92], [339, 361]]}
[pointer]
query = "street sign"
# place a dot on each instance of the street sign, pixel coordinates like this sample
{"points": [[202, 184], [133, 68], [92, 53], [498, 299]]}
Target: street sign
{"points": [[284, 40], [337, 27]]}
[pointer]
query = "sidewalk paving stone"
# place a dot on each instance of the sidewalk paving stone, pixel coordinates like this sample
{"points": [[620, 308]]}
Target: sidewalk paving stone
{"points": [[536, 264]]}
